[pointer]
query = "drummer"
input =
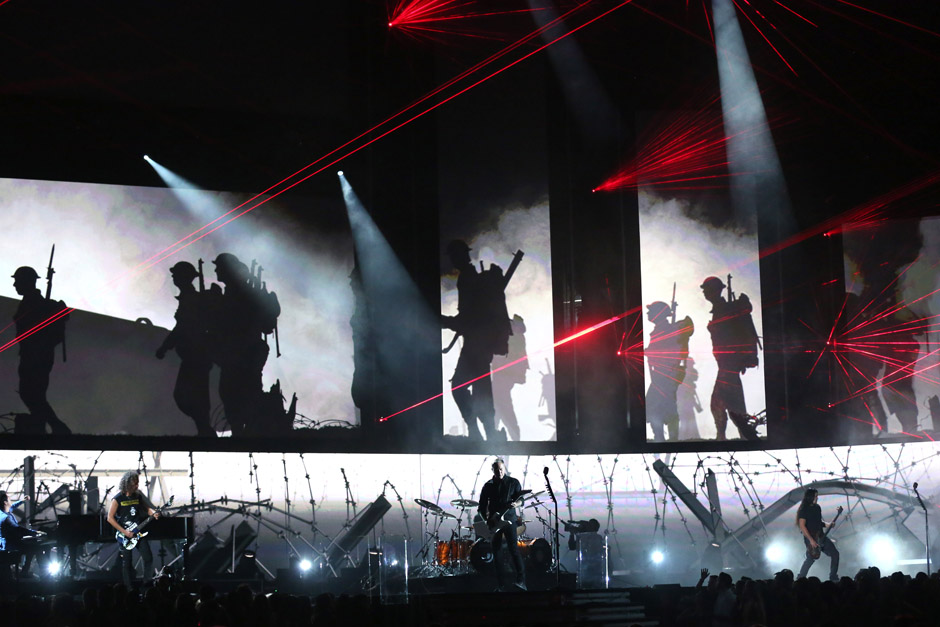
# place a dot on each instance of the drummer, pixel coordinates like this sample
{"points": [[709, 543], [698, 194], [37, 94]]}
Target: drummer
{"points": [[498, 509]]}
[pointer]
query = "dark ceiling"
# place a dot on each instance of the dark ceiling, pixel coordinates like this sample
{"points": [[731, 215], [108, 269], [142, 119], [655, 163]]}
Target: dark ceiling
{"points": [[241, 95]]}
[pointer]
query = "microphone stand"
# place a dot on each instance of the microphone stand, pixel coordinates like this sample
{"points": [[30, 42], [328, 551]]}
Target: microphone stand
{"points": [[926, 526], [551, 493]]}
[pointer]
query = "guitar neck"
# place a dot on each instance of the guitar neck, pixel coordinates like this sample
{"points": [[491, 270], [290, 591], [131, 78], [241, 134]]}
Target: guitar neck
{"points": [[832, 524]]}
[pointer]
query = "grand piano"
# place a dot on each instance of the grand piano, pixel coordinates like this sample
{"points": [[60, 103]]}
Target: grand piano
{"points": [[73, 530]]}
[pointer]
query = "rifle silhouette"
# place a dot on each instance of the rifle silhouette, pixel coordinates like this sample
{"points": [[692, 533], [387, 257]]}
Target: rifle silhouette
{"points": [[516, 260]]}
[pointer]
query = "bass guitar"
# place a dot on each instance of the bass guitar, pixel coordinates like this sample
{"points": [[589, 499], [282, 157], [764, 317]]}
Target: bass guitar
{"points": [[137, 528], [816, 551]]}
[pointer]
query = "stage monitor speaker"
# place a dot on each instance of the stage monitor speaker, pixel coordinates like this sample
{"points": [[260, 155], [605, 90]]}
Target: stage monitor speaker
{"points": [[343, 545]]}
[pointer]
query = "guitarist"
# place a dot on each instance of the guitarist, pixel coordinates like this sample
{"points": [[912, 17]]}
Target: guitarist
{"points": [[130, 505], [496, 508], [809, 520]]}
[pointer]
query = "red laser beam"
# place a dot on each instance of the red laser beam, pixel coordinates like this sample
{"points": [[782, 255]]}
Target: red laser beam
{"points": [[39, 327], [385, 133], [757, 28], [191, 239], [688, 152], [802, 17], [888, 17], [407, 14], [561, 342], [820, 99], [184, 241]]}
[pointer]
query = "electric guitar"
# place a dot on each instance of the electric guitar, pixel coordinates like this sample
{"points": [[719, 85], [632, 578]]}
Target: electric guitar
{"points": [[486, 529], [137, 529], [816, 551]]}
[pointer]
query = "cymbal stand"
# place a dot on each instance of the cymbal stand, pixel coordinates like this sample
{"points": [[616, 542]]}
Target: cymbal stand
{"points": [[462, 564], [350, 503], [555, 545], [313, 503], [401, 504], [432, 537], [287, 515], [926, 526]]}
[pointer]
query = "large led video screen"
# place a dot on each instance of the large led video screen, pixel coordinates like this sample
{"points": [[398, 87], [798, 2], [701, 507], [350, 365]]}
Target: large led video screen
{"points": [[496, 265], [293, 507], [242, 331], [703, 349], [884, 358]]}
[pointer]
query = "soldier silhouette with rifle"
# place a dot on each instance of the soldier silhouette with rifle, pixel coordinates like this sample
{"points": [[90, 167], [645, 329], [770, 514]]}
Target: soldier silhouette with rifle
{"points": [[37, 350], [666, 355], [190, 339], [483, 321], [734, 345], [240, 317]]}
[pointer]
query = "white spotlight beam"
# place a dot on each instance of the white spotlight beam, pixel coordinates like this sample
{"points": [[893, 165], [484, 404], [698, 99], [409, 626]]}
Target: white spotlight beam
{"points": [[757, 182]]}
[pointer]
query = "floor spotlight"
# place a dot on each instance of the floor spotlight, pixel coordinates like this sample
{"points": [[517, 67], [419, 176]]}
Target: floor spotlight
{"points": [[881, 551], [305, 565], [657, 557], [775, 554]]}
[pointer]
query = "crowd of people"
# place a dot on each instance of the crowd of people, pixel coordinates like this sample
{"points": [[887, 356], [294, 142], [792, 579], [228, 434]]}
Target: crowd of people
{"points": [[161, 605], [867, 599]]}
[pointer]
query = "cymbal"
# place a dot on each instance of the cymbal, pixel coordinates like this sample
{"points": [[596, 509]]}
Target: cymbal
{"points": [[436, 509], [464, 503], [442, 514], [530, 496]]}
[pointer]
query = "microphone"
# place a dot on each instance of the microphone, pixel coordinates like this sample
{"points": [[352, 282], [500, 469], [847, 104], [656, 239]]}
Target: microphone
{"points": [[545, 471], [915, 486]]}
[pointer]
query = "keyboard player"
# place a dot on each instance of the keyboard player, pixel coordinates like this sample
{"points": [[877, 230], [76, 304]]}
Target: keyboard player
{"points": [[13, 536]]}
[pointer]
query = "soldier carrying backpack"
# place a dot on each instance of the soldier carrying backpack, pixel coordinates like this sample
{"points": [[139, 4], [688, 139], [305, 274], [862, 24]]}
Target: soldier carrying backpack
{"points": [[240, 318], [735, 345], [483, 321], [37, 346]]}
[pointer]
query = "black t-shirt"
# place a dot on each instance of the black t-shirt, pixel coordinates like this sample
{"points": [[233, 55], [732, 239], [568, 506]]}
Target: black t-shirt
{"points": [[496, 496], [131, 508], [813, 516]]}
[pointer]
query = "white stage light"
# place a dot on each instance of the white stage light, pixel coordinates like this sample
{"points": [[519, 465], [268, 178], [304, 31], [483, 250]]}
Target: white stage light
{"points": [[775, 554], [881, 551], [657, 557], [146, 158], [305, 565], [53, 567], [339, 173]]}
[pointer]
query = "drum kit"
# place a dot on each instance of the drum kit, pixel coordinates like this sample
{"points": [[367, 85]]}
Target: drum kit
{"points": [[469, 548]]}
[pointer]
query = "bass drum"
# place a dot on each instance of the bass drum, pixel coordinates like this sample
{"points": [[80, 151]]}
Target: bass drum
{"points": [[481, 556], [536, 554]]}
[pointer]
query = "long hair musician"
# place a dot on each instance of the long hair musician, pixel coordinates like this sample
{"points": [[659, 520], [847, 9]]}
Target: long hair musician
{"points": [[812, 526]]}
